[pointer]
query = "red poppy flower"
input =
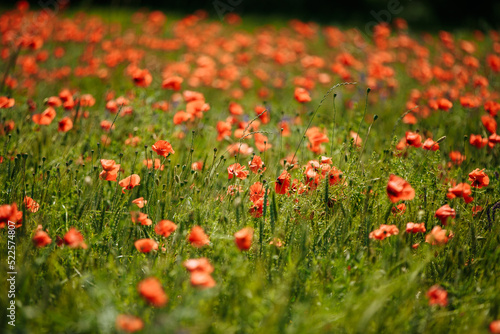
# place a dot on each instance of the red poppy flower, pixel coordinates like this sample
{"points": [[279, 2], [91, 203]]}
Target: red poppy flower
{"points": [[197, 237], [437, 296], [10, 213], [41, 238], [384, 231], [129, 323], [163, 148], [173, 83], [415, 228], [140, 202], [151, 290], [302, 95], [129, 182], [65, 124], [30, 204], [413, 139], [399, 189], [479, 178], [74, 239], [444, 212], [146, 245], [238, 171], [461, 190], [431, 145], [165, 228], [243, 238], [282, 183]]}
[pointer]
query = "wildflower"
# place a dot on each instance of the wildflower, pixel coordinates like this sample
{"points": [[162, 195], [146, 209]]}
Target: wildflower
{"points": [[276, 242], [413, 139], [200, 270], [456, 157], [399, 189], [163, 148], [197, 237], [301, 95], [383, 232], [479, 178], [149, 164], [110, 170], [196, 166], [30, 204], [46, 117], [129, 323], [437, 296], [10, 213], [334, 176], [444, 212], [460, 190], [65, 124], [238, 171], [431, 145], [256, 165], [139, 217], [437, 236], [146, 245], [477, 141], [415, 228], [74, 239], [282, 183], [444, 104], [495, 325], [399, 209], [243, 238], [140, 202], [41, 238], [489, 123], [165, 228], [151, 290], [130, 182], [173, 83]]}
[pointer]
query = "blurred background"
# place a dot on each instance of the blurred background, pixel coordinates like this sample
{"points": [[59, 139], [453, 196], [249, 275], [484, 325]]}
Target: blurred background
{"points": [[421, 14]]}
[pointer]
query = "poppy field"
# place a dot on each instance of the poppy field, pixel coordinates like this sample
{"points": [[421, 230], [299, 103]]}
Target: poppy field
{"points": [[185, 174]]}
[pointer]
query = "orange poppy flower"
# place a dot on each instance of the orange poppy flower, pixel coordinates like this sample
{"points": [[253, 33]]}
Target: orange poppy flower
{"points": [[489, 123], [165, 228], [197, 166], [173, 83], [74, 239], [431, 145], [399, 189], [30, 204], [41, 238], [302, 95], [415, 228], [163, 148], [140, 202], [495, 325], [46, 117], [202, 280], [235, 109], [129, 323], [457, 157], [399, 209], [151, 290], [110, 170], [198, 265], [413, 139], [10, 213], [65, 124], [479, 178], [437, 296], [282, 183], [146, 245], [243, 238], [444, 212], [157, 164], [129, 182], [444, 104], [140, 217], [460, 190], [384, 231], [256, 192], [142, 77], [6, 102], [238, 171], [197, 237]]}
